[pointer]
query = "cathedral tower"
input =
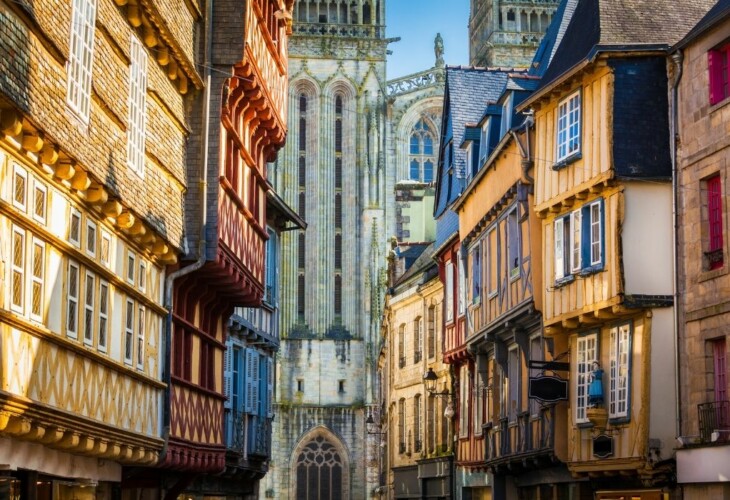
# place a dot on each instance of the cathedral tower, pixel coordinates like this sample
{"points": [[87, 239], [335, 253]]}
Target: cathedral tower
{"points": [[332, 171], [507, 32]]}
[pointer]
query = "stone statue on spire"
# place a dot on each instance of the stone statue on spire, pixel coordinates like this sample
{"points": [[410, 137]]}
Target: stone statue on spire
{"points": [[438, 50]]}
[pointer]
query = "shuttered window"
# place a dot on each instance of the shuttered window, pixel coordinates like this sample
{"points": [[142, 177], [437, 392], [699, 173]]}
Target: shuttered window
{"points": [[714, 222], [718, 67], [587, 354], [620, 371], [137, 117], [80, 58]]}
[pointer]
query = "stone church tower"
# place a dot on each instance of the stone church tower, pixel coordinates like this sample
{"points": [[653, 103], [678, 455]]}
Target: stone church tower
{"points": [[507, 32], [332, 171]]}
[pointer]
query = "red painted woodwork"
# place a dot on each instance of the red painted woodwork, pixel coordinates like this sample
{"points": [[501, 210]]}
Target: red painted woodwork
{"points": [[714, 212]]}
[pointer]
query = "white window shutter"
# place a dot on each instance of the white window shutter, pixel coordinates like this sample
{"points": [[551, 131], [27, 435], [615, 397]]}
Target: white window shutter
{"points": [[256, 383], [559, 249]]}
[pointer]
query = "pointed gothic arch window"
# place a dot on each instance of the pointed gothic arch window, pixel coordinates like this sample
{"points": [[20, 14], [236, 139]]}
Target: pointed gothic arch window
{"points": [[320, 471], [421, 152]]}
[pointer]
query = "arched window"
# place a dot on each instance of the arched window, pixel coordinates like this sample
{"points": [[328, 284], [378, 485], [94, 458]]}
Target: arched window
{"points": [[421, 152], [320, 470]]}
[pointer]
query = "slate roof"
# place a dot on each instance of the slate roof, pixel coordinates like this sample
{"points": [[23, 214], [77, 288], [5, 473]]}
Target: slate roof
{"points": [[720, 11], [603, 25], [467, 92], [553, 36], [421, 264]]}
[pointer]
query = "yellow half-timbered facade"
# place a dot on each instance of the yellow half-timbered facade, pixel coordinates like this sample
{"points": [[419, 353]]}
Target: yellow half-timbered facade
{"points": [[602, 192]]}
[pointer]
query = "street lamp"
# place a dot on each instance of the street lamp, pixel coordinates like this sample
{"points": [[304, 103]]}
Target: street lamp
{"points": [[430, 378], [371, 426]]}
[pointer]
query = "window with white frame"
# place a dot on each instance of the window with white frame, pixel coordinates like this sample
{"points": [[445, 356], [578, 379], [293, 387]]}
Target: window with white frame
{"points": [[449, 291], [492, 263], [89, 290], [90, 238], [40, 196], [568, 127], [578, 239], [74, 227], [20, 187], [536, 354], [461, 292], [470, 170], [72, 300], [506, 122], [129, 332], [464, 400], [619, 371], [142, 275], [512, 229], [484, 142], [136, 121], [131, 259], [103, 315], [81, 56], [586, 355], [17, 270], [141, 323], [106, 248], [37, 279], [476, 272]]}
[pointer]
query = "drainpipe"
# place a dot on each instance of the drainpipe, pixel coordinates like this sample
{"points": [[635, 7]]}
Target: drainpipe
{"points": [[202, 244], [677, 60]]}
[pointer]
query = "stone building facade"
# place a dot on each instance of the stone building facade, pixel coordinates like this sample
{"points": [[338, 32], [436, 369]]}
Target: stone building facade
{"points": [[507, 32], [332, 172]]}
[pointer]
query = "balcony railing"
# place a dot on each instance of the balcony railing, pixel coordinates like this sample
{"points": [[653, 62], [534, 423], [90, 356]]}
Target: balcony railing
{"points": [[713, 417], [248, 433], [527, 436], [339, 30]]}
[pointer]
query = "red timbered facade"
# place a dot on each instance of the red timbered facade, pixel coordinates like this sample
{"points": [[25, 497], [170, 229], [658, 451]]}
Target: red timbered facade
{"points": [[245, 122]]}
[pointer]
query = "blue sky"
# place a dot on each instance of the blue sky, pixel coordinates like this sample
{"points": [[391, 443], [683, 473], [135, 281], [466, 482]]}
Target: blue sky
{"points": [[417, 22]]}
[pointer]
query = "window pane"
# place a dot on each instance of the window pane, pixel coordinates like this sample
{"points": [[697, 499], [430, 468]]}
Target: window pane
{"points": [[415, 145], [415, 173], [428, 171]]}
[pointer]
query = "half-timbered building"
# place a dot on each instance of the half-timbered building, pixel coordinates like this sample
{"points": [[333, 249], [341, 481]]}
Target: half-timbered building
{"points": [[467, 93], [603, 194], [699, 93], [92, 172]]}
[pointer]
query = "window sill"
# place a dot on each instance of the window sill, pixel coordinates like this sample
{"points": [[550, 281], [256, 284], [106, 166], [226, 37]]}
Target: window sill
{"points": [[619, 420], [719, 105], [590, 270], [566, 280], [561, 164], [712, 274]]}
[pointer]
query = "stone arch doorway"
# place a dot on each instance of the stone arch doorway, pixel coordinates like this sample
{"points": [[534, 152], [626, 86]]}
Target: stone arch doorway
{"points": [[320, 467]]}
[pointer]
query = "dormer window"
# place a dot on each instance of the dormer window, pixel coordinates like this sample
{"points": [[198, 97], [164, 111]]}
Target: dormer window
{"points": [[484, 143], [568, 127], [506, 116]]}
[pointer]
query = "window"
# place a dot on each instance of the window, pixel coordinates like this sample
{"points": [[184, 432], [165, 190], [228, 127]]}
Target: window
{"points": [[137, 103], [578, 239], [506, 122], [449, 291], [17, 294], [463, 400], [587, 354], [81, 55], [431, 423], [402, 346], [417, 423], [103, 314], [300, 385], [536, 354], [717, 59], [431, 332], [320, 470], [417, 340], [421, 152], [20, 187], [140, 337], [402, 426], [513, 244], [341, 386], [714, 253], [130, 267], [89, 290], [492, 263], [476, 272], [74, 227], [484, 143], [461, 292], [37, 279], [568, 127], [106, 244], [72, 300], [470, 168], [90, 238], [142, 275], [620, 371], [478, 417], [428, 171], [129, 333], [719, 358], [253, 380], [40, 195]]}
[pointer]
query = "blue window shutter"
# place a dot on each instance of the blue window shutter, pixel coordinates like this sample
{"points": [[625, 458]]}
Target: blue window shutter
{"points": [[227, 366], [270, 387], [249, 383]]}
